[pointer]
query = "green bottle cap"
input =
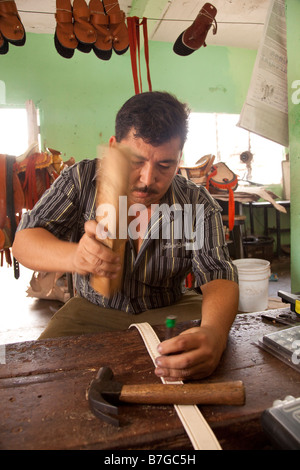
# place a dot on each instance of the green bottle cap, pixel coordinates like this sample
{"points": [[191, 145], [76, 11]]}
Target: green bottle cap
{"points": [[170, 321]]}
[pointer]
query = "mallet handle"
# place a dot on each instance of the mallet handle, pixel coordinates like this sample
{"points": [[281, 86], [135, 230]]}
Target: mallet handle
{"points": [[224, 393]]}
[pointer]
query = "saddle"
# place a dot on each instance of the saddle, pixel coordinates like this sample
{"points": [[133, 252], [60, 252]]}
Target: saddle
{"points": [[23, 180], [198, 173], [217, 178]]}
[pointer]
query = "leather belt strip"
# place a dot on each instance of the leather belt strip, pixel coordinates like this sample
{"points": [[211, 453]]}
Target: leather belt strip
{"points": [[133, 25], [196, 427]]}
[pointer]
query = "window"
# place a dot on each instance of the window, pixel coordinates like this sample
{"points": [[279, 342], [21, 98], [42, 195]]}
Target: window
{"points": [[15, 129], [219, 135]]}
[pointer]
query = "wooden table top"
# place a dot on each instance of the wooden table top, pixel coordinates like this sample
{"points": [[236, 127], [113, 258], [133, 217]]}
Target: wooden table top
{"points": [[43, 388]]}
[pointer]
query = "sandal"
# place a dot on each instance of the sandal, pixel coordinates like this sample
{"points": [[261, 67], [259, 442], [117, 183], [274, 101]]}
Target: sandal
{"points": [[117, 26], [100, 21], [64, 39], [194, 37], [84, 31], [11, 26]]}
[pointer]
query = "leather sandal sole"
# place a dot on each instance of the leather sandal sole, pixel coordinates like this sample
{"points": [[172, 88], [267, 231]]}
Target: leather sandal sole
{"points": [[121, 52], [85, 48], [63, 51], [104, 55]]}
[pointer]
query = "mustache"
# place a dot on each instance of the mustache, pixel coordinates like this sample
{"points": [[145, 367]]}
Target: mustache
{"points": [[145, 189]]}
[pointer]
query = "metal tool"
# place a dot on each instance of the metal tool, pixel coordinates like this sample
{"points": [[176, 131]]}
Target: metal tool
{"points": [[292, 299], [289, 316], [105, 393]]}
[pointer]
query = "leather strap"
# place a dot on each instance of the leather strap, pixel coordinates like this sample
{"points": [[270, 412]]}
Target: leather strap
{"points": [[115, 18], [228, 186], [196, 427], [63, 16], [98, 18], [133, 25]]}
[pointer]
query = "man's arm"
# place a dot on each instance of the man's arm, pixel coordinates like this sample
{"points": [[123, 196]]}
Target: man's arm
{"points": [[198, 350], [39, 250]]}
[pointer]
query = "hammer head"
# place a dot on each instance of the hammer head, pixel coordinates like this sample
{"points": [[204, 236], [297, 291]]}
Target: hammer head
{"points": [[104, 388]]}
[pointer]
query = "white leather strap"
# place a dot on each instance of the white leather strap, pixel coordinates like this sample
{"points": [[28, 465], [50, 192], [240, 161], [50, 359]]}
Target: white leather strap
{"points": [[196, 427]]}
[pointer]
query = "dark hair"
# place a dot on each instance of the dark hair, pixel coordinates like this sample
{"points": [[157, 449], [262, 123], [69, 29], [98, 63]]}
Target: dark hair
{"points": [[154, 116]]}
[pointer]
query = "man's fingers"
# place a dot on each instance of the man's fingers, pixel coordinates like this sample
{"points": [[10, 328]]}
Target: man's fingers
{"points": [[186, 341], [94, 257], [186, 355]]}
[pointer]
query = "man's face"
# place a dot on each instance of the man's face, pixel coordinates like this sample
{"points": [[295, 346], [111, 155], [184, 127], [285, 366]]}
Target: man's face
{"points": [[153, 168]]}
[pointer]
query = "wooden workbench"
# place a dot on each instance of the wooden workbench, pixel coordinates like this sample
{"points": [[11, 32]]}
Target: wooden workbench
{"points": [[43, 393]]}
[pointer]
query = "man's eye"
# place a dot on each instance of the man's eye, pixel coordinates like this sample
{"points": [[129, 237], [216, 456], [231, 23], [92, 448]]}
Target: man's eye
{"points": [[165, 165]]}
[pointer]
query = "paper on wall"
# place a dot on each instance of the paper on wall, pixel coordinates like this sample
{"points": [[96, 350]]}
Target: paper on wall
{"points": [[265, 111]]}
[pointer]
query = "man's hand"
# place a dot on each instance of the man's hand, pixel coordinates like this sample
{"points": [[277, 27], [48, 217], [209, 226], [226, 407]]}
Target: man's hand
{"points": [[195, 353], [92, 256], [40, 250]]}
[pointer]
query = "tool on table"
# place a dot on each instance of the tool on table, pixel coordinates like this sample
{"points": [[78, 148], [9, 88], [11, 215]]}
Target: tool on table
{"points": [[105, 393], [292, 299], [170, 325], [290, 316], [112, 209]]}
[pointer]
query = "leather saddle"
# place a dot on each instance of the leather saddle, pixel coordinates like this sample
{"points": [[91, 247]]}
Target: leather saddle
{"points": [[198, 173]]}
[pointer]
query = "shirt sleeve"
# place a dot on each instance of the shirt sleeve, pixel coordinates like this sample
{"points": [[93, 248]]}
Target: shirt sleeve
{"points": [[212, 260]]}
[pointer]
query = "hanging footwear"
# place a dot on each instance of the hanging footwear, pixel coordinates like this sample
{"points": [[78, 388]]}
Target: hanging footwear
{"points": [[194, 37], [84, 31], [100, 21], [64, 39], [117, 26], [11, 26], [3, 45]]}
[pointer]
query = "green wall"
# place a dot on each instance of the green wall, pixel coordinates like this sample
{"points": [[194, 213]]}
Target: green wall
{"points": [[79, 97], [293, 47]]}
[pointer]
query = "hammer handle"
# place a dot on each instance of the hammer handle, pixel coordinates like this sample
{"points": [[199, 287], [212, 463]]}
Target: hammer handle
{"points": [[225, 393]]}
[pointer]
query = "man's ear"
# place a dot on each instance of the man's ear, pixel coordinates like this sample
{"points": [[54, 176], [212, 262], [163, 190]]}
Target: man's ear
{"points": [[112, 141]]}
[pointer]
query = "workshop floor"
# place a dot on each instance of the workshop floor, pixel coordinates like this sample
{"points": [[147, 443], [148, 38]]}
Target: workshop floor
{"points": [[23, 318]]}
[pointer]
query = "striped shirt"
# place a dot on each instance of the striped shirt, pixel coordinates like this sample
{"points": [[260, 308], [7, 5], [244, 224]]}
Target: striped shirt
{"points": [[153, 277]]}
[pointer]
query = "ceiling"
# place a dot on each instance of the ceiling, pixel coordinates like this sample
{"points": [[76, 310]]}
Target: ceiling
{"points": [[240, 22]]}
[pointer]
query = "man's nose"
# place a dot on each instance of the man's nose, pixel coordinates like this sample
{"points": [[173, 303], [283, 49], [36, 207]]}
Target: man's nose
{"points": [[148, 175]]}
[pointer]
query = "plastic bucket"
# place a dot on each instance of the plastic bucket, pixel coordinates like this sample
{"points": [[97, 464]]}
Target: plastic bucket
{"points": [[254, 277]]}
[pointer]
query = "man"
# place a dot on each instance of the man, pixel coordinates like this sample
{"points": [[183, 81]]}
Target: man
{"points": [[154, 126]]}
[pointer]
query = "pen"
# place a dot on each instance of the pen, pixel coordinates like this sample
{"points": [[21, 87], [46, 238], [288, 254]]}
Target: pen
{"points": [[170, 325]]}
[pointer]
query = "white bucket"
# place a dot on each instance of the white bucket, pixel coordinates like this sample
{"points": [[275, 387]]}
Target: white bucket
{"points": [[254, 277]]}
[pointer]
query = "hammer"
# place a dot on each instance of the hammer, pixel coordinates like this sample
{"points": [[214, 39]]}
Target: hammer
{"points": [[104, 393]]}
